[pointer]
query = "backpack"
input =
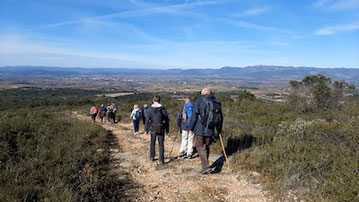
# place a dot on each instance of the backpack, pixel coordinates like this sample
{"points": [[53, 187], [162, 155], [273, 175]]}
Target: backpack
{"points": [[187, 112], [103, 111], [94, 110], [212, 117], [157, 121], [137, 115], [184, 113]]}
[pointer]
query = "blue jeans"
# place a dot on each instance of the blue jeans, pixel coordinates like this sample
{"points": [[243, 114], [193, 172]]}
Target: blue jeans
{"points": [[136, 124]]}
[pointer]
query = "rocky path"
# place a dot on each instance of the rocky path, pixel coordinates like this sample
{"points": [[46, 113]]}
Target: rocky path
{"points": [[177, 180]]}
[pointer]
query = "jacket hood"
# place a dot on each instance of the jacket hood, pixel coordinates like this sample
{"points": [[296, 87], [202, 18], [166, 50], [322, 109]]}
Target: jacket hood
{"points": [[156, 105], [208, 97]]}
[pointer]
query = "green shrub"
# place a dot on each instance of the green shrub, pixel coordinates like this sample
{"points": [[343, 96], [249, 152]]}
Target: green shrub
{"points": [[49, 156], [315, 158], [313, 152]]}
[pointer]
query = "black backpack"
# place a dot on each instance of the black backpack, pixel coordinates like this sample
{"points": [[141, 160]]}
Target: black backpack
{"points": [[157, 121], [212, 117], [138, 114]]}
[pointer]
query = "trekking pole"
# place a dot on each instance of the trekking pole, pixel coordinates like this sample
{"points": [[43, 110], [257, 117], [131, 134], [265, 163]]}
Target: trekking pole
{"points": [[174, 141], [224, 151]]}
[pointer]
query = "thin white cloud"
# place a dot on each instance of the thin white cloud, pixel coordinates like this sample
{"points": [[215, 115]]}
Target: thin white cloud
{"points": [[249, 25], [190, 31], [237, 23], [337, 4], [140, 3], [298, 37], [321, 3], [32, 52], [14, 43], [170, 9], [331, 30], [161, 54], [346, 4], [124, 29], [253, 12], [180, 9]]}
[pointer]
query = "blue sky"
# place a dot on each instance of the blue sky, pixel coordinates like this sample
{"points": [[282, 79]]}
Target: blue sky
{"points": [[179, 33]]}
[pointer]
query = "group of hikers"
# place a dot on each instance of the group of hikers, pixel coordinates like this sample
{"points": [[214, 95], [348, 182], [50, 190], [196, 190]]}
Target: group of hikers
{"points": [[198, 124], [104, 113]]}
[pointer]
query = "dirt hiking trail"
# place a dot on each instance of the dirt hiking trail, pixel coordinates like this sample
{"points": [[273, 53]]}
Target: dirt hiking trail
{"points": [[177, 180]]}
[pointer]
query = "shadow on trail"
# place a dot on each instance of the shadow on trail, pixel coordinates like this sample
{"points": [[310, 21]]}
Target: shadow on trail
{"points": [[116, 183], [234, 145]]}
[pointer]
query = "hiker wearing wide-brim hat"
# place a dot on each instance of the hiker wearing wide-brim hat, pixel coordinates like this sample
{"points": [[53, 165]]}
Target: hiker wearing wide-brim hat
{"points": [[207, 118]]}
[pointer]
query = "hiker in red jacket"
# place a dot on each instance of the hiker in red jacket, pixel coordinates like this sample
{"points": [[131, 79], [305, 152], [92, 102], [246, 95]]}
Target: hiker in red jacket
{"points": [[93, 113]]}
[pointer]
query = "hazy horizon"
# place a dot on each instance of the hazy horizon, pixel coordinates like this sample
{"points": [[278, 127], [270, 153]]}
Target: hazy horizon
{"points": [[174, 68]]}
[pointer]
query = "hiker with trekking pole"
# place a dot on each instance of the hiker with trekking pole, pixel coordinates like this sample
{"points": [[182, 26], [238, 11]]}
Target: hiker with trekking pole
{"points": [[173, 145], [207, 118], [157, 123], [184, 116]]}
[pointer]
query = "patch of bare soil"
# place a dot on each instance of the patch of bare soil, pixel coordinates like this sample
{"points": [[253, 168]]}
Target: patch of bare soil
{"points": [[113, 95], [177, 180]]}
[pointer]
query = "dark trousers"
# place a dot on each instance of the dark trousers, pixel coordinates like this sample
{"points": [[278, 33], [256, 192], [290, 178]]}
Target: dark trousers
{"points": [[161, 139], [93, 117], [111, 117], [136, 124], [202, 145]]}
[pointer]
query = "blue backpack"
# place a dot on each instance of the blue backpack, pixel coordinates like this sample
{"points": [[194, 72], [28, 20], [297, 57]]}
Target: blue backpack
{"points": [[103, 110], [187, 113]]}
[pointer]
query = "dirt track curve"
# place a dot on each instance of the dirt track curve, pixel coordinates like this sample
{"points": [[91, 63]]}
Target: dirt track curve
{"points": [[177, 180]]}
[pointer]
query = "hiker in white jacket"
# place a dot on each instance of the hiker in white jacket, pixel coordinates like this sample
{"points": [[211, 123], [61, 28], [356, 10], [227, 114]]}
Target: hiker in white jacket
{"points": [[136, 116]]}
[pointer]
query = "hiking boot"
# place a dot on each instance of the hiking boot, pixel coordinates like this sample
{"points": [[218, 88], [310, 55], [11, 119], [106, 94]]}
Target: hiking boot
{"points": [[206, 170], [182, 154], [161, 162]]}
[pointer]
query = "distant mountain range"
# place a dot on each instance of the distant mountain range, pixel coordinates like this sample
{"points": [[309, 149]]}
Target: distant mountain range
{"points": [[248, 73]]}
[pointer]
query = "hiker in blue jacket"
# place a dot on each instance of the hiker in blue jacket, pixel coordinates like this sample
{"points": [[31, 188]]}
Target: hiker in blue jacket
{"points": [[206, 118], [183, 119]]}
